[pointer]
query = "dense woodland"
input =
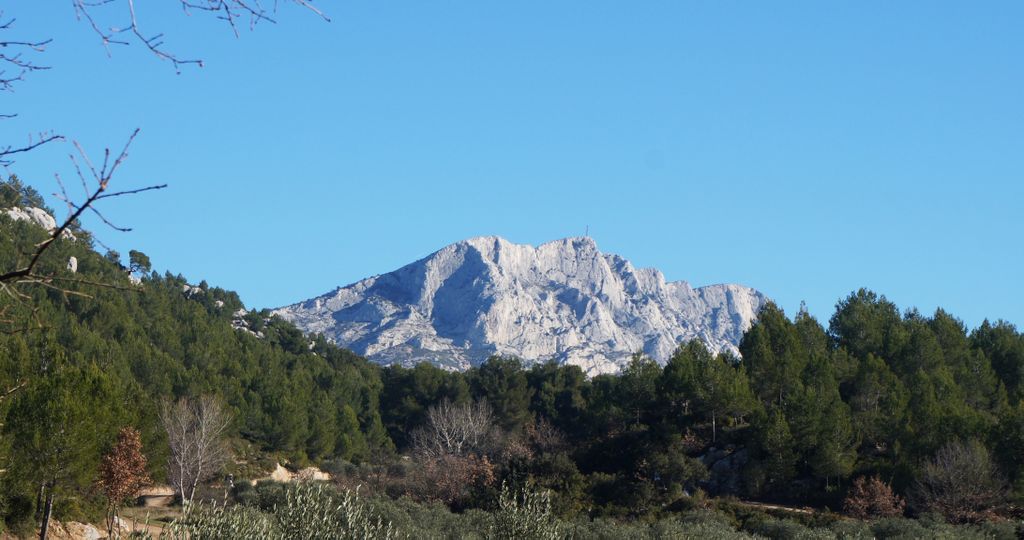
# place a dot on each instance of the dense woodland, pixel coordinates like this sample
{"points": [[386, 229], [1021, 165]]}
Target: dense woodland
{"points": [[863, 414]]}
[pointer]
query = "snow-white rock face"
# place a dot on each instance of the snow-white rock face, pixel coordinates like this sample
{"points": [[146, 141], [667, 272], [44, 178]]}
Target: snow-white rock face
{"points": [[35, 215], [38, 216], [564, 301]]}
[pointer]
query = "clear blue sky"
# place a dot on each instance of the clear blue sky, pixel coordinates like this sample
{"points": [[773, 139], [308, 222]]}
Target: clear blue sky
{"points": [[802, 148]]}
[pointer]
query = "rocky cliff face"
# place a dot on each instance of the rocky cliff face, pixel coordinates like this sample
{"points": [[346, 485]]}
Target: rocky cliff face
{"points": [[35, 215], [563, 300]]}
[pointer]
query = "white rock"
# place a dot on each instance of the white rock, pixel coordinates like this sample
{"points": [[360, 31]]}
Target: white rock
{"points": [[563, 300], [35, 215], [77, 531], [38, 216], [73, 265]]}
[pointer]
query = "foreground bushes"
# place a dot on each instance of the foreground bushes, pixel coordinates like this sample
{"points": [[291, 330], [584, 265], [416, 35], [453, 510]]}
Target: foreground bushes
{"points": [[309, 511], [317, 511]]}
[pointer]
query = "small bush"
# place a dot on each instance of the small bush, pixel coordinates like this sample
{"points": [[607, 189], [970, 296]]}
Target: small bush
{"points": [[872, 498], [525, 515]]}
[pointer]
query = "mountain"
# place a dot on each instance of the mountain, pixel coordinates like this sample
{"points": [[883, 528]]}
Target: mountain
{"points": [[563, 300]]}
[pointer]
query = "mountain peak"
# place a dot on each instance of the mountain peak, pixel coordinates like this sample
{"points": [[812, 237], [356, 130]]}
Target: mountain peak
{"points": [[496, 243], [563, 300]]}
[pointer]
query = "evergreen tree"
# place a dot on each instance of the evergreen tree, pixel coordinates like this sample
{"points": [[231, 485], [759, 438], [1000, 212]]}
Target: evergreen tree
{"points": [[835, 453], [1004, 347], [637, 387], [717, 385], [676, 386], [878, 405], [558, 394], [774, 355], [865, 323], [502, 382], [775, 467]]}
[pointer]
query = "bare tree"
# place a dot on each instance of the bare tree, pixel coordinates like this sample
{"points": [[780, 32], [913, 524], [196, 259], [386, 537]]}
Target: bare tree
{"points": [[962, 482], [451, 450], [196, 433], [455, 430]]}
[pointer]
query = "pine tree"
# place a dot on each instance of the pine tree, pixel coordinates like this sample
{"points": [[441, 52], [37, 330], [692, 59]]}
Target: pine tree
{"points": [[878, 404], [774, 355], [718, 385], [776, 450], [865, 323], [503, 383]]}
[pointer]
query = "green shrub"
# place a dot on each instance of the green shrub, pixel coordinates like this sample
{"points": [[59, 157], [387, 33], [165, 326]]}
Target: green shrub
{"points": [[696, 526], [307, 510], [790, 530], [313, 512], [270, 495], [432, 520], [525, 515], [244, 493], [204, 521]]}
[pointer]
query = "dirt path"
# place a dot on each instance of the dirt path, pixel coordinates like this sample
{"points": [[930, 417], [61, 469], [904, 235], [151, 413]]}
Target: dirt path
{"points": [[766, 506]]}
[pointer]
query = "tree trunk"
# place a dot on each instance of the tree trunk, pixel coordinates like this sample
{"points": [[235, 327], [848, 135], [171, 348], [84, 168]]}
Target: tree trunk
{"points": [[192, 488], [111, 520], [39, 501], [46, 514], [714, 428]]}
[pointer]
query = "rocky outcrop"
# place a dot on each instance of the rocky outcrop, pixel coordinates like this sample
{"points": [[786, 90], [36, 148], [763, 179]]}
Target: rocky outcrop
{"points": [[38, 216], [283, 475], [563, 300]]}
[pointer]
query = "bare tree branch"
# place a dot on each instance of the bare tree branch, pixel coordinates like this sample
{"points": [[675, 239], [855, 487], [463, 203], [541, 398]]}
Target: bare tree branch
{"points": [[10, 150], [231, 12], [14, 64], [102, 178]]}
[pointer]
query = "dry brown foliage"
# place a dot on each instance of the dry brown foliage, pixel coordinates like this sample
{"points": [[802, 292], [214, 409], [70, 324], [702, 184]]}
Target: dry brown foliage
{"points": [[872, 498], [123, 472], [450, 478]]}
